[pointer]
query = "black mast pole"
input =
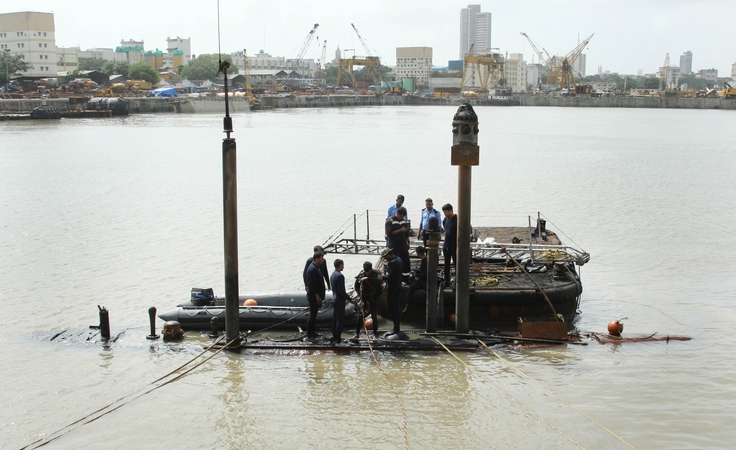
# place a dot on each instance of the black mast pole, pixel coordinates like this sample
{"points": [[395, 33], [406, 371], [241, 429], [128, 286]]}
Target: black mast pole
{"points": [[230, 220]]}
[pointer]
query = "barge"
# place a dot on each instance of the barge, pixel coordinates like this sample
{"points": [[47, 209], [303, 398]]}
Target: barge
{"points": [[517, 274]]}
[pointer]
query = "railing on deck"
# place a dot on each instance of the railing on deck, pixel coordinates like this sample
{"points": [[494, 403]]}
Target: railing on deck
{"points": [[537, 252]]}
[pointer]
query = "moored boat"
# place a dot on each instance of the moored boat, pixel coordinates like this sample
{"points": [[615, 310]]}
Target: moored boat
{"points": [[278, 309], [516, 273]]}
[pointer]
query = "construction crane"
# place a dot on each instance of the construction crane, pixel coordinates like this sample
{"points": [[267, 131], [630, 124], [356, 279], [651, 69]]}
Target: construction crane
{"points": [[488, 68], [559, 70], [372, 63], [254, 102], [542, 59], [321, 62], [295, 66]]}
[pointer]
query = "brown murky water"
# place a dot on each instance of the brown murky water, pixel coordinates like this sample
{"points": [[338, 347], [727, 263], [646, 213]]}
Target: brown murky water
{"points": [[126, 213]]}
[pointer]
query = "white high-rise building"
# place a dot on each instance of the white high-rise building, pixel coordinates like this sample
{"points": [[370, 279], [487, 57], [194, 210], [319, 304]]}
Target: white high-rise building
{"points": [[578, 67], [686, 63], [31, 34], [475, 31]]}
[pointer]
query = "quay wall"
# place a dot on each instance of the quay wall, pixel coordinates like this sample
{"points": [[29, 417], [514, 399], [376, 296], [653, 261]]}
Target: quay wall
{"points": [[137, 104], [626, 102], [326, 101], [144, 105]]}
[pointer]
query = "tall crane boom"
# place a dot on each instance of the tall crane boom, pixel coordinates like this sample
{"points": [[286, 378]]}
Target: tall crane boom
{"points": [[360, 38], [559, 70], [542, 59], [321, 62], [305, 46], [574, 53]]}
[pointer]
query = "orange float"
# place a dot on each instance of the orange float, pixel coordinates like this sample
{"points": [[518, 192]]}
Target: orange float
{"points": [[615, 327], [250, 302], [368, 323]]}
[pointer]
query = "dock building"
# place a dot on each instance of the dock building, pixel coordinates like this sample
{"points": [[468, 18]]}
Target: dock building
{"points": [[414, 62], [514, 70], [31, 34]]}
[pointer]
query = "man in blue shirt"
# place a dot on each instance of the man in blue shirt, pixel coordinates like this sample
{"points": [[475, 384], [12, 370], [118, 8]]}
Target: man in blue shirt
{"points": [[315, 292], [428, 212], [449, 247], [393, 208], [339, 297]]}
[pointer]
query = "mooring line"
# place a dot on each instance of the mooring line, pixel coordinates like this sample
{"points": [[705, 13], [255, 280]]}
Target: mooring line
{"points": [[514, 398], [393, 388], [551, 392], [107, 409]]}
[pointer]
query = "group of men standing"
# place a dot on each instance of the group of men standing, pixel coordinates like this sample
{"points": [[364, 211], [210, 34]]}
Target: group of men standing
{"points": [[398, 228], [369, 282]]}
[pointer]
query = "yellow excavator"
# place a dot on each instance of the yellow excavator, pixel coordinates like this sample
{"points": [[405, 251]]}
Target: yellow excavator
{"points": [[728, 91]]}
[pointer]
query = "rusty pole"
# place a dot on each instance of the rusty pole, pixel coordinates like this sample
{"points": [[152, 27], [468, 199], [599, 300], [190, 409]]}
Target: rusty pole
{"points": [[465, 154], [230, 221]]}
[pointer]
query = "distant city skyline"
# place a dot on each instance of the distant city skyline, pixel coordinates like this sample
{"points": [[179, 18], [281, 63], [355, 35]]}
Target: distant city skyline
{"points": [[633, 36]]}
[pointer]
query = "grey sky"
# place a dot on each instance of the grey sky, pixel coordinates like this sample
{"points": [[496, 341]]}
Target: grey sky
{"points": [[629, 34]]}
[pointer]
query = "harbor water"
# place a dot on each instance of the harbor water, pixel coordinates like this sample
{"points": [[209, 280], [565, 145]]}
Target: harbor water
{"points": [[126, 213]]}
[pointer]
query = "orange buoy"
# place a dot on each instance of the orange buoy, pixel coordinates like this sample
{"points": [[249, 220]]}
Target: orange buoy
{"points": [[615, 327], [452, 318], [368, 323], [250, 302]]}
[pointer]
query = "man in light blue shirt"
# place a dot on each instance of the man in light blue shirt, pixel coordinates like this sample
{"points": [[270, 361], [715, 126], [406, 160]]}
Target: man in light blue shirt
{"points": [[393, 208], [428, 212]]}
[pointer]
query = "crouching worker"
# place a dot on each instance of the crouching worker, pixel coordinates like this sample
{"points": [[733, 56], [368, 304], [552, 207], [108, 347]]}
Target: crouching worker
{"points": [[368, 285]]}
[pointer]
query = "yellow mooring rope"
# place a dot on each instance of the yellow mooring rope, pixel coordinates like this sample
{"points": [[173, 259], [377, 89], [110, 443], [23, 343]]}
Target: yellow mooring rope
{"points": [[119, 403], [551, 392], [514, 398]]}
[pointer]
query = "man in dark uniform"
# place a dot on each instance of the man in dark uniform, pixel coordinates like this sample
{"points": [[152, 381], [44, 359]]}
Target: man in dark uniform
{"points": [[322, 267], [339, 297], [420, 278], [394, 270], [315, 292], [368, 284], [449, 247], [397, 230]]}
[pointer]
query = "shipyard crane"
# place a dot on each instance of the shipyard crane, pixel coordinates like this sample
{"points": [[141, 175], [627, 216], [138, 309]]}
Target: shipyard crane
{"points": [[542, 59], [321, 62], [559, 70], [362, 41], [489, 68], [254, 102], [297, 62], [370, 62], [568, 79]]}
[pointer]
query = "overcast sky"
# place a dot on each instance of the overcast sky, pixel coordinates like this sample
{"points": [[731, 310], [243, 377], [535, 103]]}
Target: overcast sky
{"points": [[629, 34]]}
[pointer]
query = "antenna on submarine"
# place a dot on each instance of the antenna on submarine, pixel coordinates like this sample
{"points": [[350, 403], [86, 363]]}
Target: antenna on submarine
{"points": [[230, 210]]}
